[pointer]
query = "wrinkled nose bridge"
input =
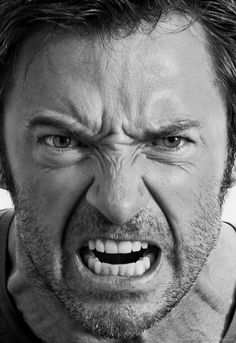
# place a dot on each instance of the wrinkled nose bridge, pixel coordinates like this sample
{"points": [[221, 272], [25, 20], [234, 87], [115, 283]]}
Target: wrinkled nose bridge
{"points": [[118, 193]]}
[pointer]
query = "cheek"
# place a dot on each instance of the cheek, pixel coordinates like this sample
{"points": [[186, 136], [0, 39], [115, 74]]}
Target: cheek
{"points": [[183, 191], [52, 195]]}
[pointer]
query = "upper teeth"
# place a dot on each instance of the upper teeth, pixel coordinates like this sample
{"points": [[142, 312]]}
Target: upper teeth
{"points": [[114, 247]]}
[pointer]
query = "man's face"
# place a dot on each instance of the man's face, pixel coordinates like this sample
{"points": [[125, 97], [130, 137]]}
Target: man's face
{"points": [[117, 143]]}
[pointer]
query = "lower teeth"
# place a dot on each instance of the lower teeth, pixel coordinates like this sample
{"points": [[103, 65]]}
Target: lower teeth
{"points": [[131, 269]]}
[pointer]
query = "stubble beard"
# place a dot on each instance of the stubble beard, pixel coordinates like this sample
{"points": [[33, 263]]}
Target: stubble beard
{"points": [[127, 315]]}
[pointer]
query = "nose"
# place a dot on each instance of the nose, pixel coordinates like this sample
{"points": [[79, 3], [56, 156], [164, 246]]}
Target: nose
{"points": [[118, 197]]}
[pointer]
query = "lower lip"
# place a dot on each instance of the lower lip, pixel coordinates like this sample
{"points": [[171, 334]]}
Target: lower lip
{"points": [[118, 283]]}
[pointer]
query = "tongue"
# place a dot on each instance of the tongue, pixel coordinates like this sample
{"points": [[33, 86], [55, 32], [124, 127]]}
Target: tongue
{"points": [[118, 258]]}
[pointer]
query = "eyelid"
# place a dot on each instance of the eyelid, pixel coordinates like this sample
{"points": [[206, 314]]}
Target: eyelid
{"points": [[161, 151], [161, 138], [47, 130], [80, 144], [64, 136]]}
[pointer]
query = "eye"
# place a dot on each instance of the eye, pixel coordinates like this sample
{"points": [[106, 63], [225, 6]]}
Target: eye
{"points": [[173, 141], [61, 142], [170, 142]]}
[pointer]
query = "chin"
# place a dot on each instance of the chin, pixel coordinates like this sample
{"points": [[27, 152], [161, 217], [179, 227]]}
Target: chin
{"points": [[120, 322], [117, 316]]}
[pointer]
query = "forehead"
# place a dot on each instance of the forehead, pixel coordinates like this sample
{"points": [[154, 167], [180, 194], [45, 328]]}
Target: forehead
{"points": [[140, 79]]}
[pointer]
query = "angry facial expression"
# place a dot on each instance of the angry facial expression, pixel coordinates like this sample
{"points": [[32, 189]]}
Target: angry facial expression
{"points": [[118, 153]]}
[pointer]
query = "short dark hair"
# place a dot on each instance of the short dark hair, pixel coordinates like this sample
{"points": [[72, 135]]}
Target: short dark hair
{"points": [[21, 18]]}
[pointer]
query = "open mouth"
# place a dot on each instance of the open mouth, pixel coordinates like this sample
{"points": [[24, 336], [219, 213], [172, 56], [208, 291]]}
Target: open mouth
{"points": [[119, 258]]}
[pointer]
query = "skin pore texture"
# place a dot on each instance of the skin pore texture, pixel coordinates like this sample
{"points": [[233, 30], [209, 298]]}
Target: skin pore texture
{"points": [[120, 178]]}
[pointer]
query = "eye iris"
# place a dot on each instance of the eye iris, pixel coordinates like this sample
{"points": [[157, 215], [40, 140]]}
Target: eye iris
{"points": [[172, 141], [61, 141]]}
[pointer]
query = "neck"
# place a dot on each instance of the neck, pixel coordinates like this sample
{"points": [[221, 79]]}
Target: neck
{"points": [[202, 315]]}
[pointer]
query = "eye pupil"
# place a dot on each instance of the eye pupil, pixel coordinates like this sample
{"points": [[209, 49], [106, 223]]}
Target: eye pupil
{"points": [[61, 141], [172, 139]]}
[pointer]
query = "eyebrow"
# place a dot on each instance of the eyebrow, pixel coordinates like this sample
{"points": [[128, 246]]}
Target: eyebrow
{"points": [[60, 124], [176, 127]]}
